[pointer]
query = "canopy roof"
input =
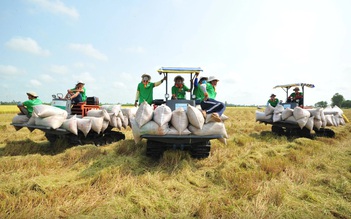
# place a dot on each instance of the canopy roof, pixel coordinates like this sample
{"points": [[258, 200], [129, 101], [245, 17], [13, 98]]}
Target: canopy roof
{"points": [[179, 70], [288, 86]]}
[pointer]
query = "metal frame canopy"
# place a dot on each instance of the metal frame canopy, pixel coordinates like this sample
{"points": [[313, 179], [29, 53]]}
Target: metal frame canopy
{"points": [[286, 87], [178, 70]]}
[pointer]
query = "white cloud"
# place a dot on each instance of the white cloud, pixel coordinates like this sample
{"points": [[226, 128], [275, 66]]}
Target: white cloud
{"points": [[34, 82], [56, 7], [46, 78], [59, 69], [26, 44], [10, 70], [89, 50]]}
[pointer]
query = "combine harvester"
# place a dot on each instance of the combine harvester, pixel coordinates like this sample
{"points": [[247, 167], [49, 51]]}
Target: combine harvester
{"points": [[77, 124], [194, 139], [293, 119]]}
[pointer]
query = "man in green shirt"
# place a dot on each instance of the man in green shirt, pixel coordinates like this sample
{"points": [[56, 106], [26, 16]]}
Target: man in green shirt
{"points": [[209, 104], [26, 107], [145, 89], [179, 88], [273, 101], [77, 94], [199, 94], [296, 97]]}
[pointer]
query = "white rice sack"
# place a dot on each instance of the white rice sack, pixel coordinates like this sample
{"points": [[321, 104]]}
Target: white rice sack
{"points": [[105, 124], [71, 125], [324, 121], [342, 121], [20, 119], [300, 113], [195, 117], [46, 111], [135, 130], [309, 124], [269, 110], [152, 128], [119, 123], [125, 122], [277, 117], [111, 109], [329, 110], [329, 120], [144, 114], [31, 120], [96, 123], [287, 113], [302, 121], [113, 120], [315, 112], [224, 117], [338, 110], [84, 125], [162, 115], [179, 119], [173, 131], [278, 109], [262, 116], [317, 123], [336, 120], [99, 113], [132, 112], [212, 128], [54, 121], [291, 119]]}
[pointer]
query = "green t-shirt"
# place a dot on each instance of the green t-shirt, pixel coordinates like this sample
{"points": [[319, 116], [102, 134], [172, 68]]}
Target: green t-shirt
{"points": [[83, 94], [199, 94], [298, 96], [180, 92], [30, 103], [211, 91], [146, 92], [274, 102]]}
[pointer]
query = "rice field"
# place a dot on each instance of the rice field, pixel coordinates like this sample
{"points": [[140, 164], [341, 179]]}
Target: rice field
{"points": [[256, 175]]}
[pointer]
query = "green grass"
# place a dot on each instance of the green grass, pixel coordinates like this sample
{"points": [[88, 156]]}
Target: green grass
{"points": [[256, 175]]}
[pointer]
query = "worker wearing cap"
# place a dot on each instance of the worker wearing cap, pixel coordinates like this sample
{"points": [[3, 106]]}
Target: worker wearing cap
{"points": [[26, 107], [296, 97], [77, 94], [179, 88], [209, 104], [273, 101], [145, 89], [199, 94]]}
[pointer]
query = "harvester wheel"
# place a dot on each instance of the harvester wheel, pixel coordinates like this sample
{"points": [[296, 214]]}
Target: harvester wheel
{"points": [[154, 149], [278, 130]]}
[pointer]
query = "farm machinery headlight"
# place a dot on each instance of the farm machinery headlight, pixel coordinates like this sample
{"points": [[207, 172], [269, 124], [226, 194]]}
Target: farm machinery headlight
{"points": [[166, 96]]}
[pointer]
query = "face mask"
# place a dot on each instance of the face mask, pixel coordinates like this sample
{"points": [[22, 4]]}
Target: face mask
{"points": [[145, 78], [204, 82]]}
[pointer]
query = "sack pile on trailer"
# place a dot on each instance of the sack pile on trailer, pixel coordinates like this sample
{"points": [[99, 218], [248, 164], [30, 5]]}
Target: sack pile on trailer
{"points": [[97, 120], [164, 121], [309, 118]]}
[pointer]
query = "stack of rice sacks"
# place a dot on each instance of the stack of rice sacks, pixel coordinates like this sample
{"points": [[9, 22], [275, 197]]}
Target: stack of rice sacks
{"points": [[164, 121], [309, 118]]}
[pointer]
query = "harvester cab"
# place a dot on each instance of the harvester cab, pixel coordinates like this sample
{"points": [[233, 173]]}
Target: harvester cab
{"points": [[174, 103], [294, 103]]}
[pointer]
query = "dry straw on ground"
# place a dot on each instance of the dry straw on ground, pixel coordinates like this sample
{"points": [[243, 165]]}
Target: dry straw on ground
{"points": [[256, 175]]}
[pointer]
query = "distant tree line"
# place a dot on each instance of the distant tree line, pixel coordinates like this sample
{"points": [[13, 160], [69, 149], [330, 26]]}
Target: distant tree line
{"points": [[336, 100]]}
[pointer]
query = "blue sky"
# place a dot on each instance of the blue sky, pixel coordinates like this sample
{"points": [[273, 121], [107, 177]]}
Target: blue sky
{"points": [[46, 46]]}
